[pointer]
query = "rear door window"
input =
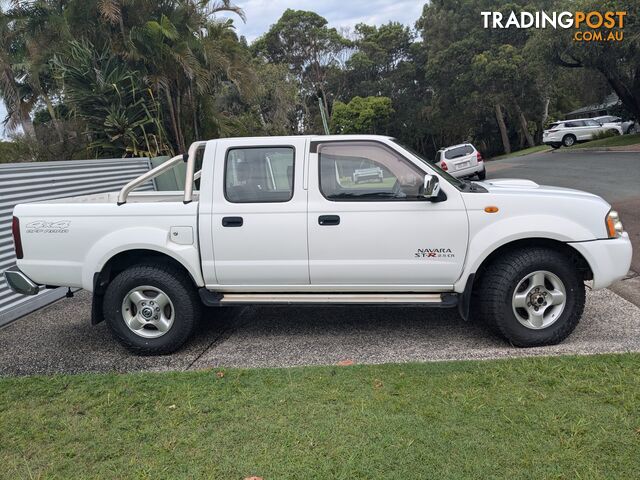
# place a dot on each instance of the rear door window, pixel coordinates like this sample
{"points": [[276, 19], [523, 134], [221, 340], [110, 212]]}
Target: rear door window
{"points": [[259, 174], [458, 152]]}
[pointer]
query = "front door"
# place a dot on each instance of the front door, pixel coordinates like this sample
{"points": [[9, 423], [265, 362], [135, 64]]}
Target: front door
{"points": [[259, 220], [369, 227]]}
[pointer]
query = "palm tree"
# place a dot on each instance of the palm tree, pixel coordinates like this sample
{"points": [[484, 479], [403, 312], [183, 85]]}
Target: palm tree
{"points": [[18, 97]]}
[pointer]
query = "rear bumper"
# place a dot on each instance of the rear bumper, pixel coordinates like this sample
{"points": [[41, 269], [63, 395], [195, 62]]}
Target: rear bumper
{"points": [[20, 283], [467, 172], [609, 259]]}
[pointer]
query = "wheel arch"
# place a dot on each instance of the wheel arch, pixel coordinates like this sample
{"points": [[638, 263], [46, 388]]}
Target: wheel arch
{"points": [[120, 262], [574, 255], [474, 278]]}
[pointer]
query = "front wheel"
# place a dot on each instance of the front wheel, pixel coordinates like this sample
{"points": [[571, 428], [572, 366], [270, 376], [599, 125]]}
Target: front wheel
{"points": [[152, 309], [532, 297]]}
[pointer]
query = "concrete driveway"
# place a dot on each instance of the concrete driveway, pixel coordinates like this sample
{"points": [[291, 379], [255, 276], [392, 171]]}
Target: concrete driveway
{"points": [[59, 338]]}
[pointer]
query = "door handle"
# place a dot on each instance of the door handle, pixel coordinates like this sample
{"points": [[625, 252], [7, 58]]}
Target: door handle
{"points": [[232, 221], [329, 220]]}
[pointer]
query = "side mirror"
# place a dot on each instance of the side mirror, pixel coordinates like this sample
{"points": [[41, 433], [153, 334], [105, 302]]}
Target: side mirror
{"points": [[431, 187]]}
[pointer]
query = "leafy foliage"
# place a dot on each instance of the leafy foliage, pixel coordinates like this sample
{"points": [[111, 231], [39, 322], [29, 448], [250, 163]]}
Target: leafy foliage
{"points": [[120, 112], [131, 77], [362, 115]]}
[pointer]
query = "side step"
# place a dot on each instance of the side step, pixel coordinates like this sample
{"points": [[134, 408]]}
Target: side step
{"points": [[423, 299]]}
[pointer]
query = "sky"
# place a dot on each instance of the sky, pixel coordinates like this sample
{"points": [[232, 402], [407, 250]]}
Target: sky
{"points": [[261, 14]]}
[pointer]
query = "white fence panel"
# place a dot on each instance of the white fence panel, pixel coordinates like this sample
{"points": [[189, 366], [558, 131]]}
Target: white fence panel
{"points": [[33, 182]]}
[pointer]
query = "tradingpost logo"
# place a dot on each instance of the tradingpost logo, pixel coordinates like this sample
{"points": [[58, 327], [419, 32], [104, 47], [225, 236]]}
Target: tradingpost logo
{"points": [[589, 26]]}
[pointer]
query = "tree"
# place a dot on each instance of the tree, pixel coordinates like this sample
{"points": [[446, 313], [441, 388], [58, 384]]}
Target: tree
{"points": [[121, 114], [362, 115], [303, 41], [480, 73], [617, 61]]}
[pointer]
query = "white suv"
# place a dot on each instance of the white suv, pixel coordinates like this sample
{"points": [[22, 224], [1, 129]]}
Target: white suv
{"points": [[461, 161], [570, 132]]}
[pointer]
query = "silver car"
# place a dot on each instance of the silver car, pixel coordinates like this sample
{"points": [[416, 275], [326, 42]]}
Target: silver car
{"points": [[570, 132], [461, 161], [628, 126]]}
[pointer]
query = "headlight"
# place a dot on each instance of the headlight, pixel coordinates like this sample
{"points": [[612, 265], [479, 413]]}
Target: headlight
{"points": [[614, 225]]}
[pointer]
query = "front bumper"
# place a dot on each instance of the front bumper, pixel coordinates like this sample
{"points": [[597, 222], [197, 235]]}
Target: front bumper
{"points": [[20, 283], [609, 259]]}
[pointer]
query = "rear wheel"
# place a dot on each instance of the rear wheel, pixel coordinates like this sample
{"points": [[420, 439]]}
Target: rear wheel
{"points": [[152, 309], [532, 297], [569, 140], [482, 174]]}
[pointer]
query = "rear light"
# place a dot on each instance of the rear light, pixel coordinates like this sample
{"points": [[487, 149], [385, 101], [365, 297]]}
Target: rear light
{"points": [[17, 241], [479, 156], [443, 166]]}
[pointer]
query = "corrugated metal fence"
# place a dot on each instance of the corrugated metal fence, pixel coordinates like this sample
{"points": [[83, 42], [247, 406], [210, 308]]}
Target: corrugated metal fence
{"points": [[32, 182]]}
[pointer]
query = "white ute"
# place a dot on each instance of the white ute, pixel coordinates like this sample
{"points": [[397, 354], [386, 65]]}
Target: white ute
{"points": [[281, 220]]}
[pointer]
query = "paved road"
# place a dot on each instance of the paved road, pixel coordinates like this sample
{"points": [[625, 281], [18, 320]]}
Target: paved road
{"points": [[612, 175]]}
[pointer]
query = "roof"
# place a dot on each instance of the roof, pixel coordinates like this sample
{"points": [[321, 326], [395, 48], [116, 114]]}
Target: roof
{"points": [[313, 138], [609, 101], [456, 146]]}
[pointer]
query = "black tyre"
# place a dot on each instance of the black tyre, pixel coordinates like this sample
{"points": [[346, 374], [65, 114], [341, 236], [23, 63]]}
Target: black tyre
{"points": [[613, 132], [569, 140], [482, 175], [532, 297], [152, 309]]}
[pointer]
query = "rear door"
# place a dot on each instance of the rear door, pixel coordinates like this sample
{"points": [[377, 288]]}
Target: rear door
{"points": [[460, 158], [594, 128], [579, 129], [259, 220]]}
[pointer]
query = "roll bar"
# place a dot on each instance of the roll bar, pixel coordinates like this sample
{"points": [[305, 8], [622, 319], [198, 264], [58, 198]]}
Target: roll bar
{"points": [[190, 176]]}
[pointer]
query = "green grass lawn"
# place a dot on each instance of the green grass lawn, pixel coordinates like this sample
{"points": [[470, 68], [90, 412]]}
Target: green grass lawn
{"points": [[563, 417], [617, 141], [526, 151]]}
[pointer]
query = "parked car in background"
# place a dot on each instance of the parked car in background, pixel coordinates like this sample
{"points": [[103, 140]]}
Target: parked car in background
{"points": [[570, 132], [368, 174], [628, 126], [461, 161]]}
